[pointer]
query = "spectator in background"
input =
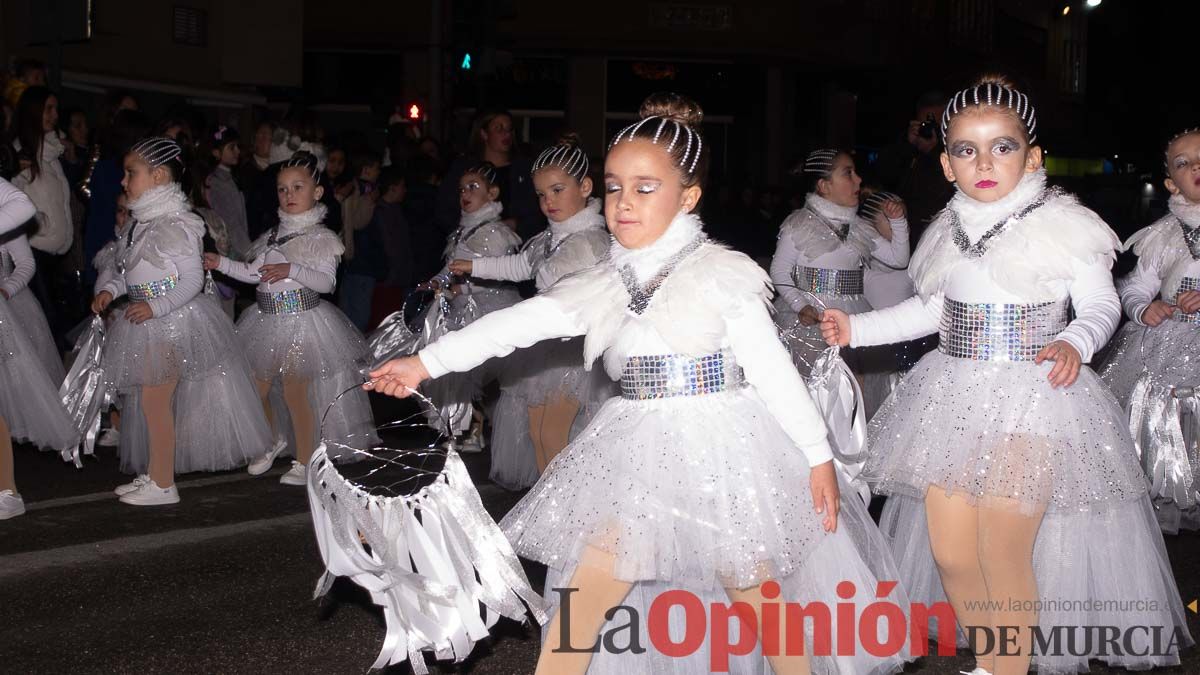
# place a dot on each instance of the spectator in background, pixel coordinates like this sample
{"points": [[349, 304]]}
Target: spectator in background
{"points": [[492, 141], [26, 73], [912, 167], [77, 149], [99, 228], [365, 259], [222, 193], [359, 204], [420, 210], [335, 170], [397, 244]]}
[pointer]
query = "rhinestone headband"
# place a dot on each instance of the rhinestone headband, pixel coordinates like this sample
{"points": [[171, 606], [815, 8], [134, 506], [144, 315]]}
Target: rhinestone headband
{"points": [[872, 206], [993, 95], [676, 130], [303, 160], [819, 162], [1167, 158], [570, 158], [157, 150], [486, 170]]}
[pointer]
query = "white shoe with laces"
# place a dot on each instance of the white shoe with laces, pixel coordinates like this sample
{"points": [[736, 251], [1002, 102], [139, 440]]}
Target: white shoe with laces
{"points": [[133, 486], [150, 494], [977, 671], [109, 438], [297, 475], [11, 504], [263, 464]]}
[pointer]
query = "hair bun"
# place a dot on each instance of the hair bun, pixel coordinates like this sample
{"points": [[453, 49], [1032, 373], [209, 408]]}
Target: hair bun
{"points": [[997, 79], [569, 139], [674, 107]]}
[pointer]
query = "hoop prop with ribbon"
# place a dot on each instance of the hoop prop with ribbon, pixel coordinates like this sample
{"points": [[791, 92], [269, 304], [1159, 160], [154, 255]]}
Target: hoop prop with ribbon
{"points": [[839, 399], [421, 543], [84, 392]]}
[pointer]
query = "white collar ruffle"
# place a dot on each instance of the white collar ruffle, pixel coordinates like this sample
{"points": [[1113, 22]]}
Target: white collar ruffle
{"points": [[648, 260], [587, 217], [1181, 208], [158, 201], [834, 212], [488, 212], [978, 217], [298, 222]]}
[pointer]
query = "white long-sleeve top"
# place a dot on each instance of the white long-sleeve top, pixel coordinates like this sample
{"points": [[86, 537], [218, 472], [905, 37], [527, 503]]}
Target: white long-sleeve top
{"points": [[15, 207], [806, 239], [16, 265], [51, 194], [574, 244], [165, 239], [1061, 250], [310, 249], [715, 299], [1164, 259]]}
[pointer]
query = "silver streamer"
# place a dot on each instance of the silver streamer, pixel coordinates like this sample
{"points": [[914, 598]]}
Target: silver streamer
{"points": [[84, 392]]}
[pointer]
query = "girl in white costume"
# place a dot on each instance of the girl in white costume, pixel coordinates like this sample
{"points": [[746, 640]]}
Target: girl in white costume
{"points": [[173, 349], [1156, 356], [16, 269], [293, 335], [552, 384], [824, 249], [1012, 483], [480, 234], [695, 477], [30, 409]]}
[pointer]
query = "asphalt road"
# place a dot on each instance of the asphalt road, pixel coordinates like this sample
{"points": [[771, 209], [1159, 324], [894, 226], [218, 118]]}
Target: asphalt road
{"points": [[223, 582]]}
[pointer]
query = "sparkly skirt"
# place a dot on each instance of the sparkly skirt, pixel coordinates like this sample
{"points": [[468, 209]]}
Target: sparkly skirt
{"points": [[805, 342], [322, 347], [1143, 369], [219, 423], [32, 319], [29, 402], [698, 493]]}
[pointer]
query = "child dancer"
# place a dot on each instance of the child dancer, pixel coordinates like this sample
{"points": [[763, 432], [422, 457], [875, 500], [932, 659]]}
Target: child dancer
{"points": [[1013, 486], [30, 409], [173, 349], [296, 337], [694, 476], [480, 234], [823, 249], [1156, 356], [16, 269], [552, 381]]}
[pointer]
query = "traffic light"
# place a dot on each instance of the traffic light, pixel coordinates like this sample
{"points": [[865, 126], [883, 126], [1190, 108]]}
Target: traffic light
{"points": [[415, 113]]}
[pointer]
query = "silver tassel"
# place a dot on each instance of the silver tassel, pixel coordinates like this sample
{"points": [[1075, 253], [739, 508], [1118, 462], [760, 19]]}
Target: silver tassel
{"points": [[84, 392]]}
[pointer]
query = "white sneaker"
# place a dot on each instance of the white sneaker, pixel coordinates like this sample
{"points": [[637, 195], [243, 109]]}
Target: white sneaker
{"points": [[263, 464], [297, 475], [109, 438], [977, 671], [133, 486], [11, 504], [150, 494]]}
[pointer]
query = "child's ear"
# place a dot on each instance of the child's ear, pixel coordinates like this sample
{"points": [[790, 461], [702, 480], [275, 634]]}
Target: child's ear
{"points": [[1171, 186], [160, 175], [585, 186], [216, 153], [946, 168], [691, 197], [493, 193], [319, 192], [1033, 160]]}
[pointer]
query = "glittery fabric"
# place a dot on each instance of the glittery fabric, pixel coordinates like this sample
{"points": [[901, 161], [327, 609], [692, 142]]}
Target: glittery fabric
{"points": [[996, 430], [805, 342], [29, 316], [671, 375], [29, 401], [151, 289], [999, 332], [828, 281], [1144, 366], [319, 345], [219, 423], [1188, 284], [288, 302]]}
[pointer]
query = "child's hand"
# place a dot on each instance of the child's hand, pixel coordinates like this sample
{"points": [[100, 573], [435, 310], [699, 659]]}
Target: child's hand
{"points": [[398, 377], [269, 274], [138, 312], [1188, 302], [835, 328], [461, 267], [809, 316], [894, 209], [822, 482], [211, 261], [1067, 363], [101, 302], [1158, 312], [5, 294]]}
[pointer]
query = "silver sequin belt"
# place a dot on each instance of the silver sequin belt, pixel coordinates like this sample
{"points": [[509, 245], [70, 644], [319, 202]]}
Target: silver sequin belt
{"points": [[290, 301], [1188, 284], [1000, 332], [827, 281], [151, 289], [670, 375]]}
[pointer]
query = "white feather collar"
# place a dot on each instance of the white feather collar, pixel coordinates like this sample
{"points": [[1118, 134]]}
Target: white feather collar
{"points": [[648, 260]]}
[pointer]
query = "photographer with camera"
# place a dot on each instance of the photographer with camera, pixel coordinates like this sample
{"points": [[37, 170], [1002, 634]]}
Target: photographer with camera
{"points": [[911, 167]]}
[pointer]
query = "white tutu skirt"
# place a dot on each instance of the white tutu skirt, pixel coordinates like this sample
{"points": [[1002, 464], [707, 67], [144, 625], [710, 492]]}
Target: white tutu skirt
{"points": [[322, 347], [998, 435], [219, 424], [699, 493], [29, 402], [32, 319], [805, 342], [1144, 367]]}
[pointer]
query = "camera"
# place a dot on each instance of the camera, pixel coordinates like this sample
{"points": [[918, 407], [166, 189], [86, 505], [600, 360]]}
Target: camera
{"points": [[928, 128]]}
